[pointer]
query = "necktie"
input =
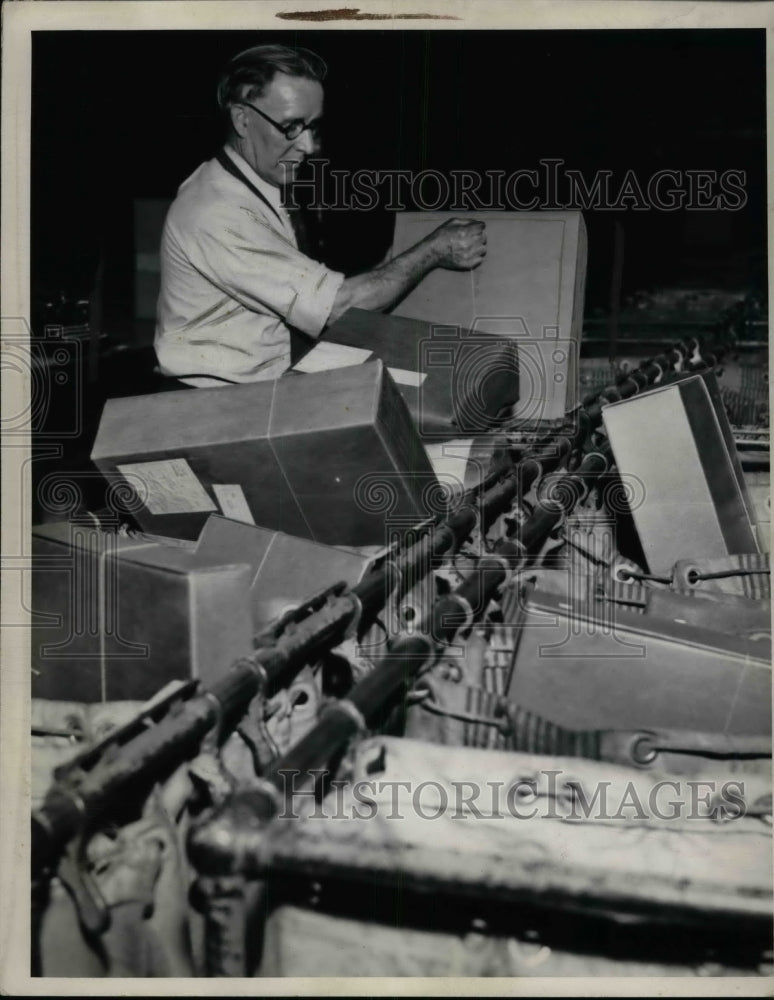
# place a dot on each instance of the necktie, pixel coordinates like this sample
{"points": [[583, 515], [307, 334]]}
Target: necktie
{"points": [[300, 343], [303, 227]]}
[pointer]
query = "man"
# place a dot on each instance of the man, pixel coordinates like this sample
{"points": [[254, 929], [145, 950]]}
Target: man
{"points": [[233, 280]]}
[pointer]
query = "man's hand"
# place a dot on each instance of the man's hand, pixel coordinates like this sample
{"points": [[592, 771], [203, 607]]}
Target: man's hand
{"points": [[459, 244]]}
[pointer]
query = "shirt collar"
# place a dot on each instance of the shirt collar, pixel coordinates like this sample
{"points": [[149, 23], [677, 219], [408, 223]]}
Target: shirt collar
{"points": [[271, 193]]}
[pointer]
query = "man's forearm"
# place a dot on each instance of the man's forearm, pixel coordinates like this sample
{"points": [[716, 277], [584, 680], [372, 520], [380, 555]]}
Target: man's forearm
{"points": [[385, 285]]}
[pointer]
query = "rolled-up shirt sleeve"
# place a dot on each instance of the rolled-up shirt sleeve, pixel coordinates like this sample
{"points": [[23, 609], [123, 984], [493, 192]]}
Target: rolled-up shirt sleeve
{"points": [[239, 252]]}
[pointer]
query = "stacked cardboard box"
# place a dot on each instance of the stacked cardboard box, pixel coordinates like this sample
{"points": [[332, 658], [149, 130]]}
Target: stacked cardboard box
{"points": [[327, 456]]}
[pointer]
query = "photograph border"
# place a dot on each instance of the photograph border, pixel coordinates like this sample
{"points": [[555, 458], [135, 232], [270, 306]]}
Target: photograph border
{"points": [[22, 18]]}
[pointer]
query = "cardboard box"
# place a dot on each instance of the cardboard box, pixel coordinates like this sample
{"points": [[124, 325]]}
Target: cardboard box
{"points": [[455, 382], [530, 287], [116, 618], [328, 456], [625, 670], [284, 570], [674, 448]]}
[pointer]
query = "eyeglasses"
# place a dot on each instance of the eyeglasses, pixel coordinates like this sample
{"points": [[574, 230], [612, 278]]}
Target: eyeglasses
{"points": [[293, 129]]}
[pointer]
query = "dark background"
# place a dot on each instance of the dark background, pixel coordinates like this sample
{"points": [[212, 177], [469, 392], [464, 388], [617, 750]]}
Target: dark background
{"points": [[120, 115]]}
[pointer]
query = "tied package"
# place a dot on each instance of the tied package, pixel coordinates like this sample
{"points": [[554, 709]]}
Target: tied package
{"points": [[327, 456], [456, 382], [677, 458], [530, 287], [115, 618]]}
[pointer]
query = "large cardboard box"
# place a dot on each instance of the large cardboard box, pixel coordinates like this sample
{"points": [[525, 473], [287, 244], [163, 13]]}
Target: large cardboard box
{"points": [[327, 456], [116, 618], [675, 452], [530, 287], [455, 382], [628, 669]]}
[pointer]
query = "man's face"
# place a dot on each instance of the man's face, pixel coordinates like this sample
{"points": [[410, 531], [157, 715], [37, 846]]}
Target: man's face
{"points": [[287, 99]]}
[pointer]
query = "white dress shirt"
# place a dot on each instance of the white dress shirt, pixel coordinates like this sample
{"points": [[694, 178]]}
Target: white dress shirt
{"points": [[232, 280]]}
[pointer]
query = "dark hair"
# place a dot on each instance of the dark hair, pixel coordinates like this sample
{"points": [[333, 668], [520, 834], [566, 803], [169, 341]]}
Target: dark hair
{"points": [[255, 68]]}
